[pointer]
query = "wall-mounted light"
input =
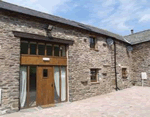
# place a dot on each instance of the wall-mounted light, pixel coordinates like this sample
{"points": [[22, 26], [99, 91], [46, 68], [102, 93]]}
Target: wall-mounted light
{"points": [[49, 29], [110, 41], [46, 59]]}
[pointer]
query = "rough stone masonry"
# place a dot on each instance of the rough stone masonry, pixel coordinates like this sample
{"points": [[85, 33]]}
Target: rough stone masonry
{"points": [[81, 58]]}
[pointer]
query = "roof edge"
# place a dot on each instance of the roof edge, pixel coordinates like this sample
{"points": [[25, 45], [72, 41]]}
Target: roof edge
{"points": [[38, 14], [137, 33]]}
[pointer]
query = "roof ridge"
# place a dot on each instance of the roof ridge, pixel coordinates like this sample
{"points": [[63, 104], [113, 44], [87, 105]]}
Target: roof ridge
{"points": [[137, 32]]}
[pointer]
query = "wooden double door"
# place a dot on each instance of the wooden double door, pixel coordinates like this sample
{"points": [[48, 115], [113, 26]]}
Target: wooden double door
{"points": [[45, 85]]}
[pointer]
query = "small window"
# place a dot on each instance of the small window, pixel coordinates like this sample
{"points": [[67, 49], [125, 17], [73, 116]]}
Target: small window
{"points": [[94, 75], [33, 47], [124, 73], [45, 72], [56, 50], [92, 42], [62, 51], [41, 49], [24, 47], [49, 49]]}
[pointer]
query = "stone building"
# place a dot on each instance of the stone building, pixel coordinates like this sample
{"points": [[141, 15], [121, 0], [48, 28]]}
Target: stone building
{"points": [[45, 59], [140, 55]]}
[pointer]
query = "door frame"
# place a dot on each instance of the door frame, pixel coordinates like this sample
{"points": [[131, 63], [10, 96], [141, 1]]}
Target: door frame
{"points": [[37, 60], [28, 77]]}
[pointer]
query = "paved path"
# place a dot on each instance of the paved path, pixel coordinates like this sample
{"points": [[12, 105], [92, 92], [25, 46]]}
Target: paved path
{"points": [[131, 102]]}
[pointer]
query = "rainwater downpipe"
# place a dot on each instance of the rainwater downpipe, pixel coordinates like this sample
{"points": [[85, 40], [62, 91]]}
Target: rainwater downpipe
{"points": [[115, 61]]}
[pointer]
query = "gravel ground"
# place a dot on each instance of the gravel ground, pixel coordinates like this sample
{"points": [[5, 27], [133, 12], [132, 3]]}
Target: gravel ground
{"points": [[131, 102]]}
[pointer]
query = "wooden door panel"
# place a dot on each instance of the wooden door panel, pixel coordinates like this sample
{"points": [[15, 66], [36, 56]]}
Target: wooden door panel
{"points": [[45, 86]]}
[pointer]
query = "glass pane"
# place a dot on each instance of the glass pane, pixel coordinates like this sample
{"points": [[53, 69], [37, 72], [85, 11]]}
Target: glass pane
{"points": [[32, 86], [56, 50], [93, 78], [56, 80], [124, 72], [63, 51], [49, 49], [92, 42], [24, 47], [63, 83], [93, 75], [93, 72], [45, 73], [41, 49], [23, 86], [33, 48]]}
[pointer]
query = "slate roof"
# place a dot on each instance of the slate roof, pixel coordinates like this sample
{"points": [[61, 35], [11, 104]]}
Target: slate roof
{"points": [[30, 12], [132, 39], [138, 37]]}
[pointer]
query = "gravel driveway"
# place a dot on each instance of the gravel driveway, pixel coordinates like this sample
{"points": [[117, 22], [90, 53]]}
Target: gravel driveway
{"points": [[131, 102]]}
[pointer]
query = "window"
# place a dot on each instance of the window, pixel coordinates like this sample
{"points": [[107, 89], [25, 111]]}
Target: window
{"points": [[124, 73], [49, 49], [60, 90], [45, 72], [92, 42], [56, 50], [24, 47], [94, 75], [62, 51], [41, 49], [32, 85], [33, 48]]}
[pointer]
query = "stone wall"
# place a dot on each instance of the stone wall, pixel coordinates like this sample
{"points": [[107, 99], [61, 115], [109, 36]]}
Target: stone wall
{"points": [[141, 63], [9, 68], [123, 60], [80, 60]]}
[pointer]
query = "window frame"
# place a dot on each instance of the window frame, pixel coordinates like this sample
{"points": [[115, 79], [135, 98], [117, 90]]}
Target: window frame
{"points": [[61, 50], [56, 45], [38, 48], [24, 41], [60, 82], [29, 52], [44, 43], [96, 75], [124, 71], [48, 44], [94, 40]]}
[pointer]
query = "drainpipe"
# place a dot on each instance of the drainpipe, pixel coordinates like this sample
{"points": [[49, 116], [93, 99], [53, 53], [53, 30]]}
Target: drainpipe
{"points": [[115, 61]]}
